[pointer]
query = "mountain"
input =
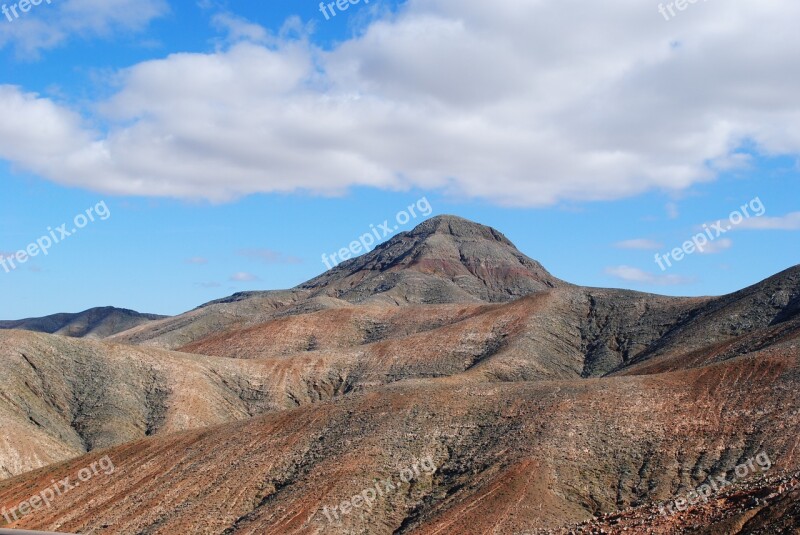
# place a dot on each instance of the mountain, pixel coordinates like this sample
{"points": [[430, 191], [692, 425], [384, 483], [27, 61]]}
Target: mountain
{"points": [[93, 323], [446, 259], [540, 404]]}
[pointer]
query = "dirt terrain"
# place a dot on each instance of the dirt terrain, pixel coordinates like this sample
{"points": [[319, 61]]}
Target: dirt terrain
{"points": [[543, 407]]}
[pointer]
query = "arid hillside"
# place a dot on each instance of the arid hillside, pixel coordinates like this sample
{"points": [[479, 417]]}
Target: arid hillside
{"points": [[63, 397], [532, 405], [93, 323], [508, 456]]}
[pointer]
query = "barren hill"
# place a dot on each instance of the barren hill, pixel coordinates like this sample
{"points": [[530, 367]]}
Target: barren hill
{"points": [[445, 260], [93, 323], [540, 403]]}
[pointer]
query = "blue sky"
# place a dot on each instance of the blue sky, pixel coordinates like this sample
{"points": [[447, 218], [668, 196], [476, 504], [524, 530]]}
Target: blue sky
{"points": [[235, 143]]}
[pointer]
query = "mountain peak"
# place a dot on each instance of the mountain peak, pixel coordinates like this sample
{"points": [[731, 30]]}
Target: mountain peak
{"points": [[458, 227], [445, 259]]}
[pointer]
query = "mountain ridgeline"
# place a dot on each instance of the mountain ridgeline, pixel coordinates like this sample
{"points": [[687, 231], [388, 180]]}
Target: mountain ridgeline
{"points": [[541, 404], [98, 322]]}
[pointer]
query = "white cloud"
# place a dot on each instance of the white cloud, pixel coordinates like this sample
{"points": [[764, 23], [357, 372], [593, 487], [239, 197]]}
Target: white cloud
{"points": [[49, 25], [734, 161], [716, 246], [521, 103], [239, 29], [632, 274], [672, 210], [641, 244], [790, 221], [243, 277], [197, 260]]}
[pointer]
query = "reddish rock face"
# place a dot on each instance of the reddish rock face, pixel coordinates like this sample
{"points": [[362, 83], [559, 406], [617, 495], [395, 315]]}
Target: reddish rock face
{"points": [[538, 406]]}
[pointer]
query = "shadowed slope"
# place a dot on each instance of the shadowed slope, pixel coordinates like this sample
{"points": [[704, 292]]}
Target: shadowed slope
{"points": [[724, 327], [63, 397], [92, 323]]}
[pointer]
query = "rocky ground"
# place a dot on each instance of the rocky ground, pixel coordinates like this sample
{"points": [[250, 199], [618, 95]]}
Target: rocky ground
{"points": [[764, 505], [543, 406]]}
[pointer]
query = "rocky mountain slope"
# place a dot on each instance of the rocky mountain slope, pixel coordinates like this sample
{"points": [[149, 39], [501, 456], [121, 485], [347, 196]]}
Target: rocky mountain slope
{"points": [[541, 404], [61, 397], [508, 457], [762, 505], [444, 260], [93, 323]]}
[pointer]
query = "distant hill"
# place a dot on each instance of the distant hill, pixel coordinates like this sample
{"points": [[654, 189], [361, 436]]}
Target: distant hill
{"points": [[98, 322]]}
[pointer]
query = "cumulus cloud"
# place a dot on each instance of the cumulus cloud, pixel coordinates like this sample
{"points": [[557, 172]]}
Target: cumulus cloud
{"points": [[641, 244], [520, 103], [632, 274], [47, 26]]}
